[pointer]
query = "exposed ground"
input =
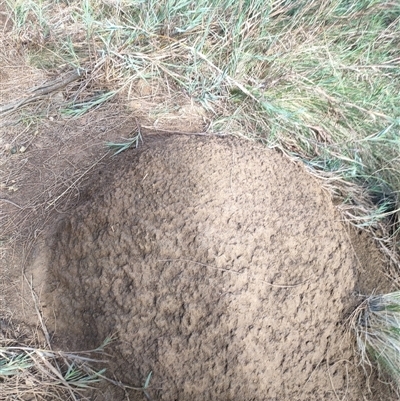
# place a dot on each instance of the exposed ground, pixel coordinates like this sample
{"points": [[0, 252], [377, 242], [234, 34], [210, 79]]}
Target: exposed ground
{"points": [[137, 254], [220, 266]]}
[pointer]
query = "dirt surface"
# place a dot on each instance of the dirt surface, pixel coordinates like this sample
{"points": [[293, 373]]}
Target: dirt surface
{"points": [[220, 266]]}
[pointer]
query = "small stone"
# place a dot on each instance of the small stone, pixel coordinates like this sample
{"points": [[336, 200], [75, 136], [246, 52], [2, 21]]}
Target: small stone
{"points": [[22, 149]]}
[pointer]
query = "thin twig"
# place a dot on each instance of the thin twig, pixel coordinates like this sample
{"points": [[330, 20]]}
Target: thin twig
{"points": [[11, 203], [152, 130], [233, 272], [44, 90], [38, 312]]}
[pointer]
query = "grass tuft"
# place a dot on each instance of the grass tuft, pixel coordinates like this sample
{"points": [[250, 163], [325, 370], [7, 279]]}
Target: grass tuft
{"points": [[50, 375], [319, 80], [78, 109], [121, 147], [376, 323]]}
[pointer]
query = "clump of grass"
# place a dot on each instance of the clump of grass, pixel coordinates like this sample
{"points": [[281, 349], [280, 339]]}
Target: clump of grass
{"points": [[119, 147], [77, 109], [376, 323], [47, 374], [319, 80]]}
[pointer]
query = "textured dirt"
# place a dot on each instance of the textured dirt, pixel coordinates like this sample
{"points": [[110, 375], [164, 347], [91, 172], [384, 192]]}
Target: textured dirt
{"points": [[207, 260], [219, 265]]}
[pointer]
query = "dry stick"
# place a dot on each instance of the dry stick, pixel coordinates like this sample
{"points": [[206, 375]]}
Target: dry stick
{"points": [[57, 374], [43, 90], [162, 131], [53, 354], [331, 381], [11, 203], [120, 384], [313, 371], [228, 78], [233, 271], [38, 312]]}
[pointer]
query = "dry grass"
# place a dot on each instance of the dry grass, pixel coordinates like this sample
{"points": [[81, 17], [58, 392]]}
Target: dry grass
{"points": [[33, 369], [376, 323], [27, 372], [318, 80], [36, 370], [46, 374]]}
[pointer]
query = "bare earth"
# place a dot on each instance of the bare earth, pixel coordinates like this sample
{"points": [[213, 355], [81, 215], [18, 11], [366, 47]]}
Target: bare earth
{"points": [[220, 266]]}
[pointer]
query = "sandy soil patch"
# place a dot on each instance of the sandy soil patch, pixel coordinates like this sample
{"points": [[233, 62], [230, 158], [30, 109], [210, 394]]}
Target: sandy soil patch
{"points": [[220, 266]]}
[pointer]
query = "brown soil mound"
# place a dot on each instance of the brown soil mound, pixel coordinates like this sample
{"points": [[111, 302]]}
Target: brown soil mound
{"points": [[221, 266]]}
